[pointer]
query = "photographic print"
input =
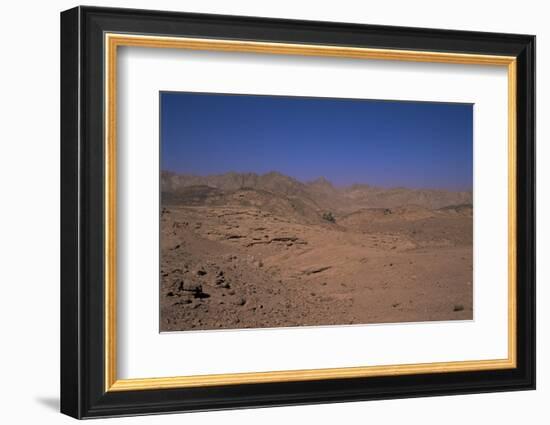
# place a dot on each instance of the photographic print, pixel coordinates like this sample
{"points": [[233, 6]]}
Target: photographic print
{"points": [[283, 211]]}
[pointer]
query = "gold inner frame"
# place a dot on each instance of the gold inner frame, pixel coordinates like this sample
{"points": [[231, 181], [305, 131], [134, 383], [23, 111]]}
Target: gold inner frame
{"points": [[113, 41]]}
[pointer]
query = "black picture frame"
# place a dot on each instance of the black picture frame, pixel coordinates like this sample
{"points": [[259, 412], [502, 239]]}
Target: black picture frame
{"points": [[83, 392]]}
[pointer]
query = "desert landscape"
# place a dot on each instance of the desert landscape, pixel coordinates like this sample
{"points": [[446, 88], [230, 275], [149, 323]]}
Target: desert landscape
{"points": [[247, 250]]}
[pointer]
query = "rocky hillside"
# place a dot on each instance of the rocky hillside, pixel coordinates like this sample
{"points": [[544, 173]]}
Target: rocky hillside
{"points": [[309, 197]]}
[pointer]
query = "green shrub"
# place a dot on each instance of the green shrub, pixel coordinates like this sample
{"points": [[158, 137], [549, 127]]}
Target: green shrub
{"points": [[329, 217]]}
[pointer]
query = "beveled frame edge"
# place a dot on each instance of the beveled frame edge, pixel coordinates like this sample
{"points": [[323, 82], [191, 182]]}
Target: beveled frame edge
{"points": [[114, 40]]}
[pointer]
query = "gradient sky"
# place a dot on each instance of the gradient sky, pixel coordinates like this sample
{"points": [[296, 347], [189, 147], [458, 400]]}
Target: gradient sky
{"points": [[382, 143]]}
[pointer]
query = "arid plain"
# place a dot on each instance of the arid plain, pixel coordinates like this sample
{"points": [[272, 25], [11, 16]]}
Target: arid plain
{"points": [[257, 251]]}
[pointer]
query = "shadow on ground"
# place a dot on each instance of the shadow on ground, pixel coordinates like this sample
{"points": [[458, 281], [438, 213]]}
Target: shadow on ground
{"points": [[49, 402]]}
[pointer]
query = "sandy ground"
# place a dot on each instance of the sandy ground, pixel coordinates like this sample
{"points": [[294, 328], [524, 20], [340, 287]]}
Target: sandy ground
{"points": [[242, 266]]}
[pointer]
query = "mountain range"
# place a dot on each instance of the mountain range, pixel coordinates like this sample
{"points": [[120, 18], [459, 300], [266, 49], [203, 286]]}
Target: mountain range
{"points": [[319, 194]]}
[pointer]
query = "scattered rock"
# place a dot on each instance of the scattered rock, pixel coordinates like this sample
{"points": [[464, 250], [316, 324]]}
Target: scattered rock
{"points": [[258, 243], [314, 270], [458, 307], [190, 286], [200, 272], [234, 236], [285, 239], [220, 278]]}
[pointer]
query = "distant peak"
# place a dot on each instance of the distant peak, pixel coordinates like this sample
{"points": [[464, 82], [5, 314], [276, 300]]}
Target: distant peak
{"points": [[358, 186], [321, 181], [276, 174]]}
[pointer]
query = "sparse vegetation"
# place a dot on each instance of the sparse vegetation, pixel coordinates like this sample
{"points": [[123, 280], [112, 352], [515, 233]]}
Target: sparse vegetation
{"points": [[329, 217]]}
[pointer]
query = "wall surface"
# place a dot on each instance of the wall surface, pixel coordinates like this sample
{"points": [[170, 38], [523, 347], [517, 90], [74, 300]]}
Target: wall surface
{"points": [[29, 225]]}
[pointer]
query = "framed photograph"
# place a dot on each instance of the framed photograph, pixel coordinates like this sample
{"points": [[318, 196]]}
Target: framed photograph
{"points": [[261, 212]]}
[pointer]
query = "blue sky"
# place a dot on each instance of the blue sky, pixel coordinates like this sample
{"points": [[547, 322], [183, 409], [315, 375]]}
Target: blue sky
{"points": [[347, 141]]}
